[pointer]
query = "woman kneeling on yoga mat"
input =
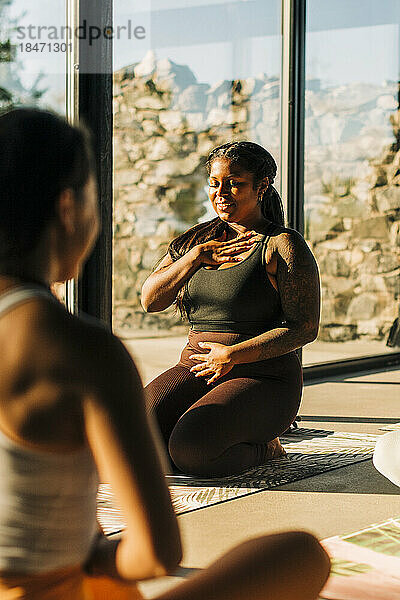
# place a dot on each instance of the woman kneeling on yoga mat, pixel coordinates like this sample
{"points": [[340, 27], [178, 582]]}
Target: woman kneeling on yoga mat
{"points": [[72, 407], [250, 288]]}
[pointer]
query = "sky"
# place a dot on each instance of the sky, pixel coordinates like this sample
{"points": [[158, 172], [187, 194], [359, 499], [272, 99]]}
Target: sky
{"points": [[347, 41]]}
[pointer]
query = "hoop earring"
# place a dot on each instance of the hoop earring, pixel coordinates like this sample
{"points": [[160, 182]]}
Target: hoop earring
{"points": [[261, 196]]}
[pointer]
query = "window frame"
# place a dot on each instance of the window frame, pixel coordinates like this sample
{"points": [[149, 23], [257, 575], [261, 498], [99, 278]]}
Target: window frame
{"points": [[95, 90]]}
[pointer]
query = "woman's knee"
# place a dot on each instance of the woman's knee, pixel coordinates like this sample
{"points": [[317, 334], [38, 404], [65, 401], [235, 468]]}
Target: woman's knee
{"points": [[313, 563], [191, 444], [185, 453], [297, 556], [289, 544], [307, 547]]}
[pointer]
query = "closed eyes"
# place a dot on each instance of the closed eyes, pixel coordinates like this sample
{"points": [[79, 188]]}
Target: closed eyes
{"points": [[232, 183]]}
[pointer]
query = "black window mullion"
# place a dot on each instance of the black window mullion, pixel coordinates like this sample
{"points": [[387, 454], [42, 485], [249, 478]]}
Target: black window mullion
{"points": [[296, 113], [95, 108]]}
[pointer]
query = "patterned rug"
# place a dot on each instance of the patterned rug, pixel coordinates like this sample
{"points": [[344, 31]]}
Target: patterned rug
{"points": [[309, 452]]}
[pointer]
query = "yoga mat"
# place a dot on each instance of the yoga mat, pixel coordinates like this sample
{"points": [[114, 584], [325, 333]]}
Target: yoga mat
{"points": [[309, 452], [365, 564]]}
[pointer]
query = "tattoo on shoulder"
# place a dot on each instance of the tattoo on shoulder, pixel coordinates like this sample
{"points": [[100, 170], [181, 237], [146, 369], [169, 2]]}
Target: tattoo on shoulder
{"points": [[298, 284]]}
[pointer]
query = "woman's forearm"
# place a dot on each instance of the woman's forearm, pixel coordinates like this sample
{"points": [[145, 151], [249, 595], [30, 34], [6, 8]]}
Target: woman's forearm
{"points": [[161, 287], [117, 559], [273, 343]]}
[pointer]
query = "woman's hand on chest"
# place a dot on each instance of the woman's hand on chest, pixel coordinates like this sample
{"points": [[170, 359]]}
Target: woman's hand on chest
{"points": [[223, 253]]}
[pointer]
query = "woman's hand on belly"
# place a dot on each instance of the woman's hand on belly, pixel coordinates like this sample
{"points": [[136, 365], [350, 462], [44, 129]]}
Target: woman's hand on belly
{"points": [[213, 365]]}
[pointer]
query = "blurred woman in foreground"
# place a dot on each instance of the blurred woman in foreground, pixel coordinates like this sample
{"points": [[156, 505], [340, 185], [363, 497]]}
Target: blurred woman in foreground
{"points": [[72, 410]]}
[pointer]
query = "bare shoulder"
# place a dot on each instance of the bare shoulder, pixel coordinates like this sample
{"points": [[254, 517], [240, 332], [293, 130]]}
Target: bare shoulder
{"points": [[79, 349], [282, 237], [290, 246], [105, 365], [113, 373], [52, 362]]}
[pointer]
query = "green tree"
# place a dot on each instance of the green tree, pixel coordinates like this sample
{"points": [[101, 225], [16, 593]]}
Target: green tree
{"points": [[12, 90]]}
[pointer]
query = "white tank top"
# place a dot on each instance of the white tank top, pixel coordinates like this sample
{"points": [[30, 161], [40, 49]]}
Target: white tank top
{"points": [[47, 500]]}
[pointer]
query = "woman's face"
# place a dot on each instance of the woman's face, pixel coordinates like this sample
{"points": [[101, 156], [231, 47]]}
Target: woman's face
{"points": [[84, 232], [90, 218], [232, 194]]}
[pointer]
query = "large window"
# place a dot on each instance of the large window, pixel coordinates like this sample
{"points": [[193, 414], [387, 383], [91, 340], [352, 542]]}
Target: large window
{"points": [[192, 74], [199, 74], [352, 172]]}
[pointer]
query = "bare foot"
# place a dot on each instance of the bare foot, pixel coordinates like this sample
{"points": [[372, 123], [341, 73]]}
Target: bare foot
{"points": [[275, 449]]}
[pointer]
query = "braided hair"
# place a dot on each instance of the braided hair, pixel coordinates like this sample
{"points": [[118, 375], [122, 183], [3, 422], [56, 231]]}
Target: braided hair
{"points": [[254, 159]]}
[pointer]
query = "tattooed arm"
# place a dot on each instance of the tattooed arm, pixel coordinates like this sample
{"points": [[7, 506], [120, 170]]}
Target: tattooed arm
{"points": [[292, 265], [299, 289]]}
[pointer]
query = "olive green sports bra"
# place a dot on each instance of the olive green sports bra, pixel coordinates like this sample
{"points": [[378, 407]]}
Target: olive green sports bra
{"points": [[238, 299]]}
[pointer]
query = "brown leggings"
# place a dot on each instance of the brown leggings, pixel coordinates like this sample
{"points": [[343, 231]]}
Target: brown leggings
{"points": [[224, 428]]}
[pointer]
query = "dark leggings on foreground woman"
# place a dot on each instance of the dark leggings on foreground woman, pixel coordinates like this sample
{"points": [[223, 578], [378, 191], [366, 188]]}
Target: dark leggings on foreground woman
{"points": [[223, 428]]}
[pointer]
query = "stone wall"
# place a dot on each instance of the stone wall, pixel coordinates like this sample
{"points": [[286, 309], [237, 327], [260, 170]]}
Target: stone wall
{"points": [[165, 125], [354, 232]]}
